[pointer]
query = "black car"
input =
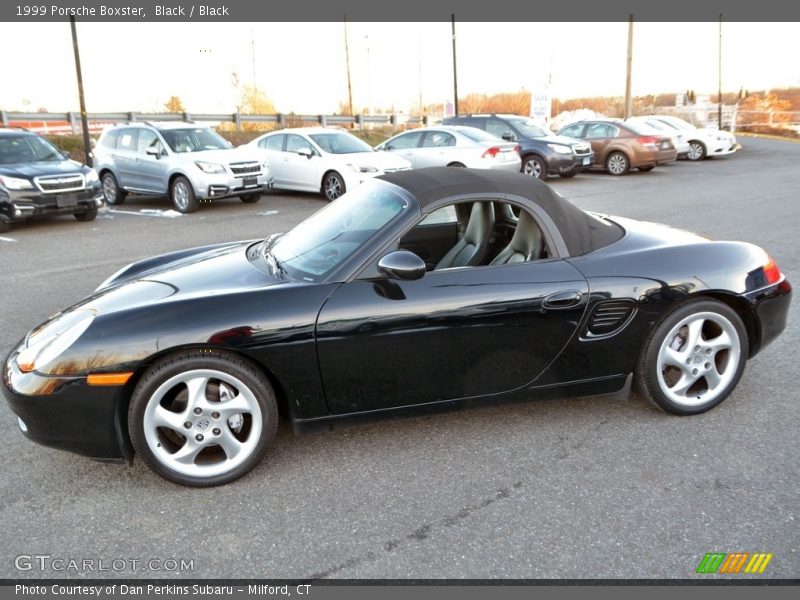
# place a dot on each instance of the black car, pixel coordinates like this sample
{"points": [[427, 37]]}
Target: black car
{"points": [[38, 180], [543, 153], [371, 308]]}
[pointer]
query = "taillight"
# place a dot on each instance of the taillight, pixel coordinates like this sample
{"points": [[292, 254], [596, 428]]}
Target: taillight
{"points": [[517, 149], [491, 152], [772, 272], [647, 140]]}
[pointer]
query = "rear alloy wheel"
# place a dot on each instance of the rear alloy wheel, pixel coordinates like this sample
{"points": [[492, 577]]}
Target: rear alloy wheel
{"points": [[697, 150], [617, 163], [332, 185], [201, 418], [694, 358], [250, 198], [183, 196], [112, 193], [89, 215], [534, 166]]}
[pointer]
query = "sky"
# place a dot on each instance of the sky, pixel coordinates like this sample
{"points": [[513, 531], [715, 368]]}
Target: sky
{"points": [[302, 68]]}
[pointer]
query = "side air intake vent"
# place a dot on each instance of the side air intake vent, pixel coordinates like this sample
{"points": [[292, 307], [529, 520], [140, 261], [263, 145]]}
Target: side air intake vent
{"points": [[609, 317]]}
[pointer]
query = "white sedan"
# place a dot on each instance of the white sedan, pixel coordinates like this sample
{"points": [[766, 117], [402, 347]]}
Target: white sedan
{"points": [[454, 146], [678, 136], [703, 142], [323, 160]]}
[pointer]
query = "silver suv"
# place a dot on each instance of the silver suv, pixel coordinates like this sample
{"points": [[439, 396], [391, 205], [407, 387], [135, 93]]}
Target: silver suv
{"points": [[187, 162]]}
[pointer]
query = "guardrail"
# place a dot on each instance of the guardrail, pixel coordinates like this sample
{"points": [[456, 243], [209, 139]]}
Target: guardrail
{"points": [[70, 122]]}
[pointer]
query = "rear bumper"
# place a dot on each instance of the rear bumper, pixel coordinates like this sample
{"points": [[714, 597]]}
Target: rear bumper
{"points": [[67, 414], [654, 157], [771, 309]]}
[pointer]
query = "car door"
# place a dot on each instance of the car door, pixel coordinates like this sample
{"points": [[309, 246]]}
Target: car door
{"points": [[406, 145], [152, 171], [453, 334], [124, 157], [272, 147], [436, 150], [301, 171], [600, 136]]}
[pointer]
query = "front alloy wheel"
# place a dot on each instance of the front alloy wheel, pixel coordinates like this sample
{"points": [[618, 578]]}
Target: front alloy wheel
{"points": [[333, 185], [534, 166], [202, 419], [694, 358], [697, 151]]}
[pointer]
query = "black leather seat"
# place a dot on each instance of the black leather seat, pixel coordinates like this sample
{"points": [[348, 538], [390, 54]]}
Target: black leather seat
{"points": [[526, 243], [473, 246]]}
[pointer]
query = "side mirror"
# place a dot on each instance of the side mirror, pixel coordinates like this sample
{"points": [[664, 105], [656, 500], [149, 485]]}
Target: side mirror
{"points": [[67, 155], [509, 137], [402, 264], [390, 147], [305, 152], [152, 151]]}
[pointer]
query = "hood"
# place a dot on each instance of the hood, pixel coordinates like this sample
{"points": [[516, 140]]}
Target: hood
{"points": [[379, 160], [562, 139], [199, 272], [224, 156], [45, 167]]}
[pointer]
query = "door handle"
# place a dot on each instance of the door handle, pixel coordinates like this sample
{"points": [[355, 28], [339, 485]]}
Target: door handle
{"points": [[562, 300]]}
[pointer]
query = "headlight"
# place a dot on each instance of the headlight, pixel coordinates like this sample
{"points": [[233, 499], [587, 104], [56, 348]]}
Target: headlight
{"points": [[561, 149], [363, 169], [91, 177], [207, 167], [48, 344], [15, 183]]}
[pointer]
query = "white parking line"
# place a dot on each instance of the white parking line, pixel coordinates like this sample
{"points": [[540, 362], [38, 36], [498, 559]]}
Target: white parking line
{"points": [[5, 239], [267, 213], [147, 212]]}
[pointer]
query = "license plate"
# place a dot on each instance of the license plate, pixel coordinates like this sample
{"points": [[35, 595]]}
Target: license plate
{"points": [[250, 181], [66, 200], [587, 161], [665, 145]]}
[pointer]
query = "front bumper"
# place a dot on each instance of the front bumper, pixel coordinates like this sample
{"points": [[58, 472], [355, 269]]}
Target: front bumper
{"points": [[569, 163], [223, 185], [22, 205], [67, 414], [722, 147]]}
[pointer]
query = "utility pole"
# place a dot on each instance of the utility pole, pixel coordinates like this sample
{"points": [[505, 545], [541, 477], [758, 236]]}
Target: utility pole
{"points": [[455, 72], [419, 74], [87, 148], [719, 78], [347, 59], [253, 56], [628, 97]]}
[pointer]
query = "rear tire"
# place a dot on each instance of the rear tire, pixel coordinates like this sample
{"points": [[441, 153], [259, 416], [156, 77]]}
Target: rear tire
{"points": [[227, 404], [89, 215], [617, 164], [694, 358], [112, 193], [182, 195]]}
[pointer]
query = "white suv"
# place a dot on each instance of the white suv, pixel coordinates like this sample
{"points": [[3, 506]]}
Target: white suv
{"points": [[187, 162]]}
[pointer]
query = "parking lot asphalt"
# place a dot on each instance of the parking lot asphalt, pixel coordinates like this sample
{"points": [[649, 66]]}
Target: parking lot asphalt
{"points": [[595, 487]]}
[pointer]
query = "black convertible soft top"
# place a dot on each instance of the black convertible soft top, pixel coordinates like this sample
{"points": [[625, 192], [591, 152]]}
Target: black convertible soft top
{"points": [[581, 231]]}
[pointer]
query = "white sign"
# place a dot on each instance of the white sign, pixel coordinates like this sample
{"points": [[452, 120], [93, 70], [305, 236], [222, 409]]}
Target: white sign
{"points": [[541, 107]]}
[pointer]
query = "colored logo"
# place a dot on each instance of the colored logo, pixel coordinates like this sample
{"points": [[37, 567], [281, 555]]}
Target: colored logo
{"points": [[737, 562]]}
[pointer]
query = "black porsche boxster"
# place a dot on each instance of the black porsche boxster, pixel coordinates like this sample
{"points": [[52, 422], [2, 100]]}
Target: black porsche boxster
{"points": [[418, 290]]}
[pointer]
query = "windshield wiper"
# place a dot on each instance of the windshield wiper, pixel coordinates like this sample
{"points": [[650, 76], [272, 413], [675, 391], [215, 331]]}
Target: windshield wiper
{"points": [[274, 264]]}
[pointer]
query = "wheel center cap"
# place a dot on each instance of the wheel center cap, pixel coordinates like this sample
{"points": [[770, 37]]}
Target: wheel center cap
{"points": [[203, 424]]}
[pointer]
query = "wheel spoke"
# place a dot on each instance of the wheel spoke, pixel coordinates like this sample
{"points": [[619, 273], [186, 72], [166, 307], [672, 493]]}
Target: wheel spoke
{"points": [[674, 357], [187, 453], [695, 334], [229, 443], [722, 342], [713, 377], [196, 388], [234, 406], [686, 381], [166, 418]]}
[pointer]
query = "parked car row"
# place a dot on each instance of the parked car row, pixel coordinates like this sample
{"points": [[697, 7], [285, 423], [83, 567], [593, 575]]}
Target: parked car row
{"points": [[190, 163]]}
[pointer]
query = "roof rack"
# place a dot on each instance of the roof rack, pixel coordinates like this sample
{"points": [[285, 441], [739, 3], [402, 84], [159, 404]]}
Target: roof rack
{"points": [[14, 127]]}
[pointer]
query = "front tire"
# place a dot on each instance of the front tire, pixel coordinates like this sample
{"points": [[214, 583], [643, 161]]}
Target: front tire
{"points": [[112, 193], [89, 215], [617, 163], [202, 418], [332, 185], [250, 198], [534, 166], [693, 360], [182, 195], [697, 150]]}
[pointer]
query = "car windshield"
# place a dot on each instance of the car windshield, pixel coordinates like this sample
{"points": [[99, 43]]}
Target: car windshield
{"points": [[477, 135], [27, 148], [329, 237], [194, 139], [528, 127], [340, 143]]}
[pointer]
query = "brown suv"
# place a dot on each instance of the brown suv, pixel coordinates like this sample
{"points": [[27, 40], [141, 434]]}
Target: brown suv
{"points": [[618, 145]]}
